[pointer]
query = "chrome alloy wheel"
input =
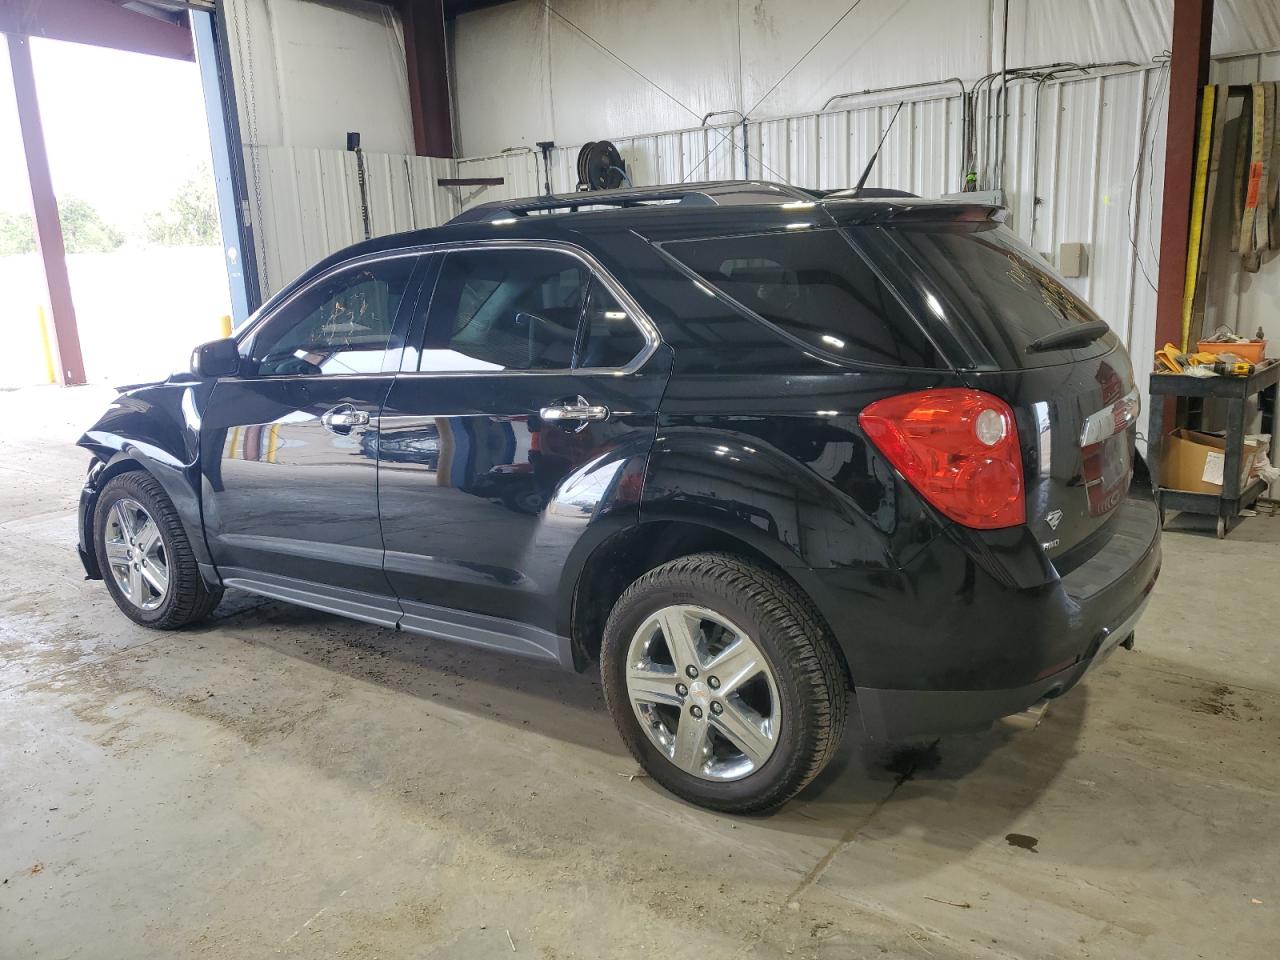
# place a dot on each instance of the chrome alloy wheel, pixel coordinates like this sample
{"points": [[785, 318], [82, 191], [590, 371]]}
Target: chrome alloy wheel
{"points": [[135, 553], [703, 693]]}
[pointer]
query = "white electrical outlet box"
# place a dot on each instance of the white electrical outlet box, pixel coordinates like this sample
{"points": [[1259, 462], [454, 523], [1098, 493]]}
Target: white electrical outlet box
{"points": [[1073, 259]]}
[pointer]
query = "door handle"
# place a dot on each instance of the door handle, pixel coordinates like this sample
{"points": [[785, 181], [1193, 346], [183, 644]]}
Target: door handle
{"points": [[577, 411], [343, 417]]}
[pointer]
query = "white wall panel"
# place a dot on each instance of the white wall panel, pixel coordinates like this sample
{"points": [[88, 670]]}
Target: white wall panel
{"points": [[524, 75], [306, 72], [309, 203], [1047, 31], [880, 43], [502, 76]]}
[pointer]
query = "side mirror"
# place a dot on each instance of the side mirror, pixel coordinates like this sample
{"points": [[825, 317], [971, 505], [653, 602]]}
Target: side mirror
{"points": [[220, 358]]}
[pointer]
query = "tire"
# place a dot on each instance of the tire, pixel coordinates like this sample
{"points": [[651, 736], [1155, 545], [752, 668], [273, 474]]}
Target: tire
{"points": [[709, 591], [187, 598]]}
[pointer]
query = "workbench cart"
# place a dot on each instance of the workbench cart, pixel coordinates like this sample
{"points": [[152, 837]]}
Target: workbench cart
{"points": [[1192, 391]]}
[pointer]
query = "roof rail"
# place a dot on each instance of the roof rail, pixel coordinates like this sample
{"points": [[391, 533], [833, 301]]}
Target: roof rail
{"points": [[723, 192]]}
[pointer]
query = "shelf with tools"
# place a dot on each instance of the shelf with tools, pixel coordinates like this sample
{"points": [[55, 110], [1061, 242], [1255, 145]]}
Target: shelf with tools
{"points": [[1237, 491]]}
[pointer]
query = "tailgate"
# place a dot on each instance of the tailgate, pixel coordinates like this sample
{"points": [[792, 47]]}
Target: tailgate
{"points": [[1077, 423], [1017, 330]]}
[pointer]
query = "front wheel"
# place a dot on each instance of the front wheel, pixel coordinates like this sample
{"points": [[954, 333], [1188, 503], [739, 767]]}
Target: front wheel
{"points": [[723, 682], [145, 557]]}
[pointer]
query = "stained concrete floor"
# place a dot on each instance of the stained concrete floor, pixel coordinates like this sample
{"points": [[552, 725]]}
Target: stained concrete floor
{"points": [[285, 783]]}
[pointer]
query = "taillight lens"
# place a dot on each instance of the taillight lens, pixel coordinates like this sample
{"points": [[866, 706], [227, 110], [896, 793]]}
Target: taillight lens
{"points": [[958, 448]]}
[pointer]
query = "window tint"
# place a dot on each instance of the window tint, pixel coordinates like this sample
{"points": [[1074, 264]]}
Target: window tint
{"points": [[341, 325], [505, 310], [609, 337], [1004, 291], [815, 286]]}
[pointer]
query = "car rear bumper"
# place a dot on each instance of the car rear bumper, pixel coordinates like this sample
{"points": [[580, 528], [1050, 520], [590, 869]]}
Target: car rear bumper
{"points": [[953, 641], [889, 715]]}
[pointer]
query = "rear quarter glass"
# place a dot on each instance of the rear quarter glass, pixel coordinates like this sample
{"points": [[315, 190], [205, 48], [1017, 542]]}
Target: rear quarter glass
{"points": [[815, 287], [993, 292]]}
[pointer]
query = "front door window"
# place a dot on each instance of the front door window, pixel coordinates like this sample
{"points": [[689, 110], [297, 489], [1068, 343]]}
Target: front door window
{"points": [[341, 325]]}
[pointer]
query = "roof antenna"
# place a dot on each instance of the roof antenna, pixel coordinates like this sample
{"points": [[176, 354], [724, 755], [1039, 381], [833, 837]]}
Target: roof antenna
{"points": [[866, 171]]}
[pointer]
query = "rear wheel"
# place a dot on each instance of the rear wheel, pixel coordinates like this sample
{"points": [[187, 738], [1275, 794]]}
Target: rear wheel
{"points": [[723, 682], [145, 556]]}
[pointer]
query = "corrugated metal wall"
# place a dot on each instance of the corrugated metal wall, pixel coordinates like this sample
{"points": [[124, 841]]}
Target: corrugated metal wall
{"points": [[576, 70], [305, 203]]}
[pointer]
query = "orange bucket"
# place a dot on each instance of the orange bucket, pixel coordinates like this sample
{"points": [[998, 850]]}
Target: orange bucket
{"points": [[1253, 350]]}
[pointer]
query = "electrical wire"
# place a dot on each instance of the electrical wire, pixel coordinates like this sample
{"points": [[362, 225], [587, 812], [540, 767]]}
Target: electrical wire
{"points": [[1148, 112]]}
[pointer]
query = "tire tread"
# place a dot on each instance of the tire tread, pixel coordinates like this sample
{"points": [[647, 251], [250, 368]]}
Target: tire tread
{"points": [[803, 639], [193, 600]]}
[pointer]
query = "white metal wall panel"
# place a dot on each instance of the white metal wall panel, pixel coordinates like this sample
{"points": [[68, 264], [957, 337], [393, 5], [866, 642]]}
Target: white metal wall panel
{"points": [[307, 72], [1047, 31], [520, 169], [308, 203], [524, 75]]}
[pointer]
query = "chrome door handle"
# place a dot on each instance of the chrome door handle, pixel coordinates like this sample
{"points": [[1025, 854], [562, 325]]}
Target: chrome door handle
{"points": [[343, 417], [579, 410]]}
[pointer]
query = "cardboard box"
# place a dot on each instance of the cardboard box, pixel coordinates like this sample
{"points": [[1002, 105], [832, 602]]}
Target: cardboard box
{"points": [[1194, 461]]}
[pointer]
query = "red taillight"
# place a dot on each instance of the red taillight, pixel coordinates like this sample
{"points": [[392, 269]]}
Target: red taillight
{"points": [[958, 448]]}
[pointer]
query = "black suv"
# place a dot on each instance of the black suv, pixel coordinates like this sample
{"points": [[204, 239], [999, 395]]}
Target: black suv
{"points": [[752, 448]]}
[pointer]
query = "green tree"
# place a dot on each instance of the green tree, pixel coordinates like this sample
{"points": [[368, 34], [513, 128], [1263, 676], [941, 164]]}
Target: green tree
{"points": [[191, 217], [84, 230], [17, 233]]}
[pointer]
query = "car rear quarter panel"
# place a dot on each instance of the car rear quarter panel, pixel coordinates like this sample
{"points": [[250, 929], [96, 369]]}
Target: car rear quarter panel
{"points": [[779, 463]]}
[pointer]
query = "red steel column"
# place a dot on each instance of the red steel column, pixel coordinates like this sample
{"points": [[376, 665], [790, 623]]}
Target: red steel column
{"points": [[45, 207], [1188, 73], [427, 60]]}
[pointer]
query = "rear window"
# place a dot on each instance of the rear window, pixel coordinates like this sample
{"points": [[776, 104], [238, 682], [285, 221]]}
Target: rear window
{"points": [[813, 285], [1005, 292]]}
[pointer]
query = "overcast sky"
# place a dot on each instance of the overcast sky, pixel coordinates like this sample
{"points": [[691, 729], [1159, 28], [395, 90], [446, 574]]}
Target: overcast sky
{"points": [[123, 130]]}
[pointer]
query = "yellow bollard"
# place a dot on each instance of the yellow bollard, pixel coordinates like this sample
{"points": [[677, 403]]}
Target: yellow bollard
{"points": [[44, 342], [226, 326]]}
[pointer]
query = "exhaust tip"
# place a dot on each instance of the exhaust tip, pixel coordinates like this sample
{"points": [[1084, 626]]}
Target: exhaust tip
{"points": [[1029, 718]]}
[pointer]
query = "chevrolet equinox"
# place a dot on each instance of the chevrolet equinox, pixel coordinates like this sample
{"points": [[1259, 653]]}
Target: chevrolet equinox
{"points": [[765, 455]]}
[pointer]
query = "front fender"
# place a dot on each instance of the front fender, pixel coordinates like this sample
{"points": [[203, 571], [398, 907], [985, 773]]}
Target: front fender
{"points": [[154, 428]]}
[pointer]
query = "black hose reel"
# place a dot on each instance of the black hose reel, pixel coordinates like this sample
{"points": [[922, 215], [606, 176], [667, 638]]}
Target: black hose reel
{"points": [[601, 167]]}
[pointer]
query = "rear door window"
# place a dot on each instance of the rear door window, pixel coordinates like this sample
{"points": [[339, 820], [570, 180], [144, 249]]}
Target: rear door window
{"points": [[505, 310], [814, 286]]}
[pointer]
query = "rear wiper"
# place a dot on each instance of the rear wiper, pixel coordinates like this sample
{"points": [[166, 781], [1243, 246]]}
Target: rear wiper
{"points": [[1077, 336]]}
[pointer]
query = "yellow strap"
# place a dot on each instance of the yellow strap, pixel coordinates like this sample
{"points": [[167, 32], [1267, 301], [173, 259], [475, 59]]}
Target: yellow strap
{"points": [[1203, 147]]}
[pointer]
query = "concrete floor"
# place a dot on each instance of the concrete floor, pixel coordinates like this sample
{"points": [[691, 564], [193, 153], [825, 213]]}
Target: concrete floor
{"points": [[282, 782]]}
